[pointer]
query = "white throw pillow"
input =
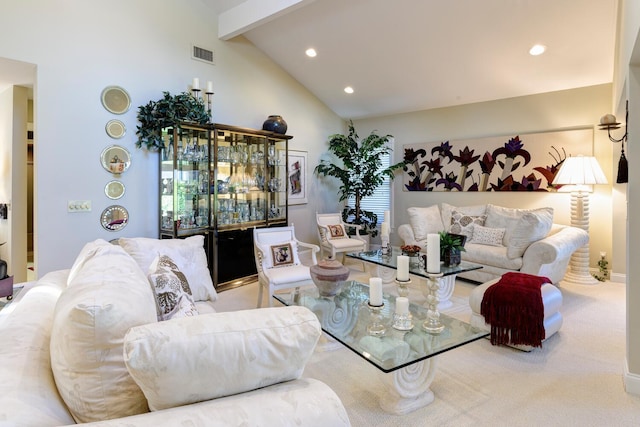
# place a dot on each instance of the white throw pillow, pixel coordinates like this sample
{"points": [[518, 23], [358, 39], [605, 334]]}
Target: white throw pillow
{"points": [[280, 254], [525, 231], [187, 253], [425, 221], [194, 359], [462, 223], [532, 226], [86, 253], [171, 289], [108, 295], [487, 236]]}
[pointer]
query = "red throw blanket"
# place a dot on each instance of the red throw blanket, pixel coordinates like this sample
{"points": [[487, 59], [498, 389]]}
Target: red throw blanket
{"points": [[514, 309]]}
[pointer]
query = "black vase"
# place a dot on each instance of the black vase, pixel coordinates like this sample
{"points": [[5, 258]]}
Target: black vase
{"points": [[451, 257], [275, 124]]}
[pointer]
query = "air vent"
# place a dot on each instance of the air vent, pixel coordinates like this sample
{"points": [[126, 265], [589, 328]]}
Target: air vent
{"points": [[204, 55]]}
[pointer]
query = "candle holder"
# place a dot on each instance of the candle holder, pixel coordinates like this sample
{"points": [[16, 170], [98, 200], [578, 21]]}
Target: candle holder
{"points": [[433, 325], [403, 287], [376, 328], [209, 105], [196, 93], [403, 322]]}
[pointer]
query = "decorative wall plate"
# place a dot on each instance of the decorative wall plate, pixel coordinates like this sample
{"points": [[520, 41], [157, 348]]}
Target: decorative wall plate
{"points": [[115, 129], [114, 189], [115, 99], [114, 218], [115, 159]]}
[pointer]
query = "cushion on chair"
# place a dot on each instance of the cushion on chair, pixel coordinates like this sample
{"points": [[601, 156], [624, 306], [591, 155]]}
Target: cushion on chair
{"points": [[345, 244], [336, 231], [280, 254], [295, 273]]}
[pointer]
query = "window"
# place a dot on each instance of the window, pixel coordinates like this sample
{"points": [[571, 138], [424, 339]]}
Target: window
{"points": [[381, 200]]}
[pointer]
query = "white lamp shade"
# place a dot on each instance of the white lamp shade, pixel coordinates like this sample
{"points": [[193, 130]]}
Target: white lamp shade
{"points": [[580, 170]]}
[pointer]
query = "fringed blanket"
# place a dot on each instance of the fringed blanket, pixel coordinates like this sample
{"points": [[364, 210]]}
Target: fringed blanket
{"points": [[514, 309]]}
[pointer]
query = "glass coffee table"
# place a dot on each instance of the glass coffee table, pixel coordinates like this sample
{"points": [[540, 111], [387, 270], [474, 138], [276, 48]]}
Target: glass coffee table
{"points": [[387, 266], [405, 352]]}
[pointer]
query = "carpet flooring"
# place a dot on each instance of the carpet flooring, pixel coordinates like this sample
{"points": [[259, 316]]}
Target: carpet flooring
{"points": [[575, 379]]}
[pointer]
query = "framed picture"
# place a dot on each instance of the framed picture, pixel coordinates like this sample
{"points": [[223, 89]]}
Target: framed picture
{"points": [[297, 177]]}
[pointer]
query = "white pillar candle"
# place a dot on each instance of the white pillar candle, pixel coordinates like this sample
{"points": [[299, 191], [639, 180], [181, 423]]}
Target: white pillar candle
{"points": [[384, 229], [209, 87], [433, 253], [387, 217], [375, 291], [402, 306], [196, 83], [403, 268]]}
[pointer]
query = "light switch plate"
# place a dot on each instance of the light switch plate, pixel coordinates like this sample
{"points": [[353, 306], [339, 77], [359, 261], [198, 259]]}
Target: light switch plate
{"points": [[79, 206]]}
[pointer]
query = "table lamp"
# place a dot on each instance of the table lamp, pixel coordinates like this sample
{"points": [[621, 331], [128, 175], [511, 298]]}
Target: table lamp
{"points": [[580, 172]]}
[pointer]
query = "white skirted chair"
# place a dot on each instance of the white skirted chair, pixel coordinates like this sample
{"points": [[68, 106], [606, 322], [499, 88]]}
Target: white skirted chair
{"points": [[334, 237], [278, 262]]}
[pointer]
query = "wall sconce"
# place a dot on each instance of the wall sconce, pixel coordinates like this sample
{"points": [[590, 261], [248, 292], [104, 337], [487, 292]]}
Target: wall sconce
{"points": [[608, 122]]}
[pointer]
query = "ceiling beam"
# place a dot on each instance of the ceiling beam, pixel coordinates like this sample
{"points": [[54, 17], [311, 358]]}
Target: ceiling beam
{"points": [[252, 14]]}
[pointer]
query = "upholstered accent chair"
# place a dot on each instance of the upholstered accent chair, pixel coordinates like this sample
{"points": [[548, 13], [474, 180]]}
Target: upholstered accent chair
{"points": [[334, 235], [278, 261]]}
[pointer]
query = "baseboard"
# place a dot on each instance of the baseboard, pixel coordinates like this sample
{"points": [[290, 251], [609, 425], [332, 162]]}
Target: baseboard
{"points": [[618, 277], [613, 277], [631, 381]]}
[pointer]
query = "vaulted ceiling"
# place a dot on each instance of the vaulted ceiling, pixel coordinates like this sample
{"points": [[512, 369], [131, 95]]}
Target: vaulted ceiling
{"points": [[409, 55]]}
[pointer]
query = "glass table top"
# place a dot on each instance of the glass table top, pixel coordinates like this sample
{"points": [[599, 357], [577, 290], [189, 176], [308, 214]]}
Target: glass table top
{"points": [[416, 268], [347, 315]]}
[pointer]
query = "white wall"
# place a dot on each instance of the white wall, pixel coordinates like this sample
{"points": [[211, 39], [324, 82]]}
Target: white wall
{"points": [[81, 47], [551, 111]]}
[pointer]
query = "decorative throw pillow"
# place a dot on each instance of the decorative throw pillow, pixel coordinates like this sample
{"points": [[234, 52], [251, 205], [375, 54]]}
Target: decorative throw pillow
{"points": [[187, 253], [462, 223], [425, 221], [487, 236], [446, 210], [171, 289], [336, 231], [280, 254]]}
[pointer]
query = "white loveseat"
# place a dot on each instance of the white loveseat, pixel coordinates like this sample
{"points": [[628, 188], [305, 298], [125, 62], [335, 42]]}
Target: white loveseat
{"points": [[84, 345], [500, 239]]}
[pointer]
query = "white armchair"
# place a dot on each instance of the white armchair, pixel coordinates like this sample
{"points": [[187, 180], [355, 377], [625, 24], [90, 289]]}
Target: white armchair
{"points": [[334, 236], [278, 262]]}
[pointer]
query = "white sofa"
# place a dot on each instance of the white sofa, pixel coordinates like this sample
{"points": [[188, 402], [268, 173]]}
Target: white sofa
{"points": [[85, 345], [500, 239]]}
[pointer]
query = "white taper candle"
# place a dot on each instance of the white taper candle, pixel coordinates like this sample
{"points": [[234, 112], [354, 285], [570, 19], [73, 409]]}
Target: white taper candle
{"points": [[433, 253]]}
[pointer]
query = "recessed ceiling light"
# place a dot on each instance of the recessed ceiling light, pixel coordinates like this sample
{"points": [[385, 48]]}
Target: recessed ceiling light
{"points": [[311, 52], [348, 89], [537, 49]]}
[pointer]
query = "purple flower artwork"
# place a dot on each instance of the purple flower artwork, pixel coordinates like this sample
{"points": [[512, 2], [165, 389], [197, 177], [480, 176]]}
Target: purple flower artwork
{"points": [[523, 162]]}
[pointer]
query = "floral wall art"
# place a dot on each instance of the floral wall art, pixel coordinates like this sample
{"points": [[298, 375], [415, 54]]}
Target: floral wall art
{"points": [[519, 162]]}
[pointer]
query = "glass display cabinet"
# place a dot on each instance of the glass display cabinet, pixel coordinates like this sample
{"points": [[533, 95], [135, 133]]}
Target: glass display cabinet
{"points": [[222, 181], [184, 181]]}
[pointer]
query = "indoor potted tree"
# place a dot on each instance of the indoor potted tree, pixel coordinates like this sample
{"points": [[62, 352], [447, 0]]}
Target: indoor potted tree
{"points": [[451, 245], [360, 172], [167, 111]]}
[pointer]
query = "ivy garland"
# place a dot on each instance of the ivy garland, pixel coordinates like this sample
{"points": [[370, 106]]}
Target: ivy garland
{"points": [[167, 111]]}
